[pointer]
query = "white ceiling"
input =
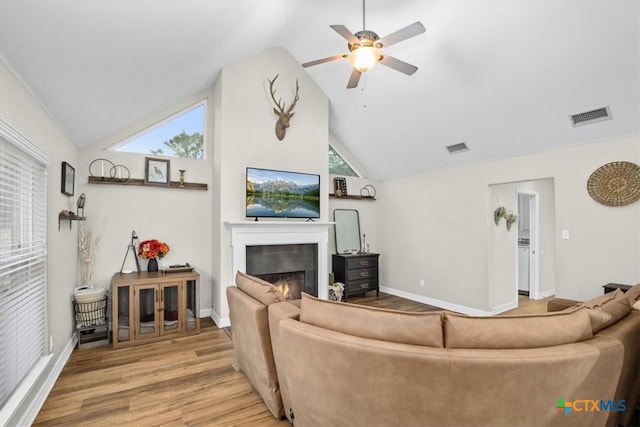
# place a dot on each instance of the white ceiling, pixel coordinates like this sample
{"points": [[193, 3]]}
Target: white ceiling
{"points": [[502, 76]]}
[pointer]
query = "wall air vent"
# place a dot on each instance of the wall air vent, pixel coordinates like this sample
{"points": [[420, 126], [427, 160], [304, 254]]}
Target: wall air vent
{"points": [[593, 116], [457, 148]]}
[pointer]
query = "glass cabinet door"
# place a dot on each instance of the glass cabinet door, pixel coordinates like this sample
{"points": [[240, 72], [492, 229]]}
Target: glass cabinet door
{"points": [[122, 322], [171, 297], [146, 300], [192, 304]]}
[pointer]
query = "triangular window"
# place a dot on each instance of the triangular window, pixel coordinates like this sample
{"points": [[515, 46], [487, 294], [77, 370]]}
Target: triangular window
{"points": [[338, 166], [181, 135]]}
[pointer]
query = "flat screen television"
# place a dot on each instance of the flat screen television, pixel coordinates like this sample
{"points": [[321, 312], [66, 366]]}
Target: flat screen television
{"points": [[282, 194]]}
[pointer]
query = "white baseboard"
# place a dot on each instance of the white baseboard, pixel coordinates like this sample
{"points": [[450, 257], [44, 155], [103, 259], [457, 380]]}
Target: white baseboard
{"points": [[505, 307], [545, 294], [221, 322], [36, 404], [437, 303]]}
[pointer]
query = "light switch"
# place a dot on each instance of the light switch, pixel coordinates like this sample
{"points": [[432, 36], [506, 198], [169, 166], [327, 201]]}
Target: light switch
{"points": [[565, 234]]}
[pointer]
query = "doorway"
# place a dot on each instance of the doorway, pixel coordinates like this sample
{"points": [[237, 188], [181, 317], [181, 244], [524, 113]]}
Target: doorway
{"points": [[528, 238]]}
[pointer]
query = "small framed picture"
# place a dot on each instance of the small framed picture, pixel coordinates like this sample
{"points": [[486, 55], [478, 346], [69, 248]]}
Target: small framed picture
{"points": [[156, 171], [68, 179]]}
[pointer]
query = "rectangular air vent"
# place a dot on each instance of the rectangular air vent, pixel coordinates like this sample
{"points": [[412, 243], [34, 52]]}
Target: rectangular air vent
{"points": [[593, 116], [457, 148]]}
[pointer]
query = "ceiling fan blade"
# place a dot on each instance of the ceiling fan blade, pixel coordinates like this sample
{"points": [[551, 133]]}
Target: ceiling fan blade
{"points": [[323, 60], [354, 79], [345, 33], [403, 34], [398, 65]]}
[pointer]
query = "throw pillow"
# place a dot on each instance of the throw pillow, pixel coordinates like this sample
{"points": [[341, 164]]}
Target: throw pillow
{"points": [[607, 309], [516, 331], [263, 291], [373, 323]]}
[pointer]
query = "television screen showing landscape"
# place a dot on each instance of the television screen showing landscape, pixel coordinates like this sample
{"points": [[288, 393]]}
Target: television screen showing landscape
{"points": [[282, 194]]}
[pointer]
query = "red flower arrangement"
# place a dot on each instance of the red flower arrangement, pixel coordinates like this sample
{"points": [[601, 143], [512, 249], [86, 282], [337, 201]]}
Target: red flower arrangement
{"points": [[152, 249]]}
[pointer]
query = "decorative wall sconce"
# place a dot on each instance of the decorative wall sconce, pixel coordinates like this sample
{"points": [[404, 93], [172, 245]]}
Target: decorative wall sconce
{"points": [[509, 216], [499, 213]]}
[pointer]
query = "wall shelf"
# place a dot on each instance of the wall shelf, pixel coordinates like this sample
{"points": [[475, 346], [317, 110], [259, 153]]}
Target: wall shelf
{"points": [[67, 217], [351, 197], [140, 182]]}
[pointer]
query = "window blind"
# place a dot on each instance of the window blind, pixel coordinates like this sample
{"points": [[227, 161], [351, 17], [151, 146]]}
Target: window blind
{"points": [[23, 280]]}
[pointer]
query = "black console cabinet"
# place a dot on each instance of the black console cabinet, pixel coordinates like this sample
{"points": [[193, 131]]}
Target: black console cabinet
{"points": [[359, 273]]}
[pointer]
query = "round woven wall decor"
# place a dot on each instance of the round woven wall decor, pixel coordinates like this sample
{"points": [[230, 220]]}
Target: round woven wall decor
{"points": [[615, 184]]}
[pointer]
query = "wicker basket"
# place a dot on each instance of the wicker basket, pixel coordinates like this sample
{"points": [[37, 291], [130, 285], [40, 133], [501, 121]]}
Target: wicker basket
{"points": [[91, 313]]}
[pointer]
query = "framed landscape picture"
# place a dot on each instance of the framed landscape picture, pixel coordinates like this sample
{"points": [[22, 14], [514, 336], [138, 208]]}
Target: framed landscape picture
{"points": [[156, 171], [68, 178]]}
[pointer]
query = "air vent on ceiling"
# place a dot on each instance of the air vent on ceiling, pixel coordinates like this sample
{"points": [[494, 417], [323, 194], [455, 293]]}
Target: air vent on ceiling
{"points": [[593, 116], [457, 148]]}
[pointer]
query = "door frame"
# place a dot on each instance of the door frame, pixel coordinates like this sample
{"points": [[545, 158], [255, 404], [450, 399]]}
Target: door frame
{"points": [[534, 239]]}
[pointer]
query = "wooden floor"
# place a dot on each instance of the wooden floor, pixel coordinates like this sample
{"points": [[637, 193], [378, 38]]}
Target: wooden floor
{"points": [[184, 381]]}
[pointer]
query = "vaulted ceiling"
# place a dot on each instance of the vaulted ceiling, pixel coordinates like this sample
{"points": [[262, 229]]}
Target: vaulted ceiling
{"points": [[501, 76]]}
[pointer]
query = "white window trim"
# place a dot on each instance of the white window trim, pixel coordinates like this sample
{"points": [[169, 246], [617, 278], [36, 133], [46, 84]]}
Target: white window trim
{"points": [[17, 398]]}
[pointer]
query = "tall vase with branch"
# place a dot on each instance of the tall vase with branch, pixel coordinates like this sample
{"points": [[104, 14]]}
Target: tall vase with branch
{"points": [[86, 250]]}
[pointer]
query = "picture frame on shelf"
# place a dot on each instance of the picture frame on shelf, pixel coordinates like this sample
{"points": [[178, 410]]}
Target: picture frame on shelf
{"points": [[156, 171], [67, 185]]}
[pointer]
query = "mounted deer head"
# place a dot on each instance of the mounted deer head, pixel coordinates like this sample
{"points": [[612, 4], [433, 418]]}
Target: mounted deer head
{"points": [[283, 116]]}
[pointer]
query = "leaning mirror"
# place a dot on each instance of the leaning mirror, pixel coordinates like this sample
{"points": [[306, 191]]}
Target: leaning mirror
{"points": [[347, 226]]}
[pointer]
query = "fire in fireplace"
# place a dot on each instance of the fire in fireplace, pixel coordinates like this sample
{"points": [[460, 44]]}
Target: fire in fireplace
{"points": [[291, 284]]}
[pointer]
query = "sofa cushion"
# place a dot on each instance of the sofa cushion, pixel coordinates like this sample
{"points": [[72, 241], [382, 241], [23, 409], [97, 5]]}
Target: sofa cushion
{"points": [[516, 331], [373, 323], [607, 309], [263, 291], [636, 306]]}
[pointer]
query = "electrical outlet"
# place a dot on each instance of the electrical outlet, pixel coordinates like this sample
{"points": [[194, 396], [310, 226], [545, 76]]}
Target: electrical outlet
{"points": [[421, 282], [565, 234], [51, 344]]}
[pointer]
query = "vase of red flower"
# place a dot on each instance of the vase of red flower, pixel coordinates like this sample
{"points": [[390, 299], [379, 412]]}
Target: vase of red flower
{"points": [[152, 250]]}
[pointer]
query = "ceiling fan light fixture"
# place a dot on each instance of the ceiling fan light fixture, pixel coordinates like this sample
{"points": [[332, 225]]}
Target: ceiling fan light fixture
{"points": [[364, 57]]}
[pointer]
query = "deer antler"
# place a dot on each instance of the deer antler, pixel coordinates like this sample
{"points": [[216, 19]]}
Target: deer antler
{"points": [[273, 94], [295, 100]]}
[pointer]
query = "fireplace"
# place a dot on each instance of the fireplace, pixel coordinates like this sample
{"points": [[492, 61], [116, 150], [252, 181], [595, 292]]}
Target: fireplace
{"points": [[294, 267], [291, 284], [290, 239]]}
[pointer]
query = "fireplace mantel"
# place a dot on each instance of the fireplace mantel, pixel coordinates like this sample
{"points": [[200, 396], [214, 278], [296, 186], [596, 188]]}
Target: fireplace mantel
{"points": [[250, 233]]}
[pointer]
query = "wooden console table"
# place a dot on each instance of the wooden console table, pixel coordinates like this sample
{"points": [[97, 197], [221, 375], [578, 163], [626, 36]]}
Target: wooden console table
{"points": [[154, 306], [358, 272]]}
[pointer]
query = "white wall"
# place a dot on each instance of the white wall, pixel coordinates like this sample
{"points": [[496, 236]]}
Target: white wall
{"points": [[245, 136], [25, 114], [435, 227], [181, 218]]}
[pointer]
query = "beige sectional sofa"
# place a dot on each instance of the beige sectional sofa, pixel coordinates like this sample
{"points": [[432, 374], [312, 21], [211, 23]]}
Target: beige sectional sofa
{"points": [[340, 364]]}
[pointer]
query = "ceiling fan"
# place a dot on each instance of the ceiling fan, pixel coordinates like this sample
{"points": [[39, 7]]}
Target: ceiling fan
{"points": [[364, 49]]}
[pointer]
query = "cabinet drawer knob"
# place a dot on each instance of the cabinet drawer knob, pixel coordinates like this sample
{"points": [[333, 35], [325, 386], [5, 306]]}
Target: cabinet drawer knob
{"points": [[364, 263], [364, 274], [364, 285]]}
